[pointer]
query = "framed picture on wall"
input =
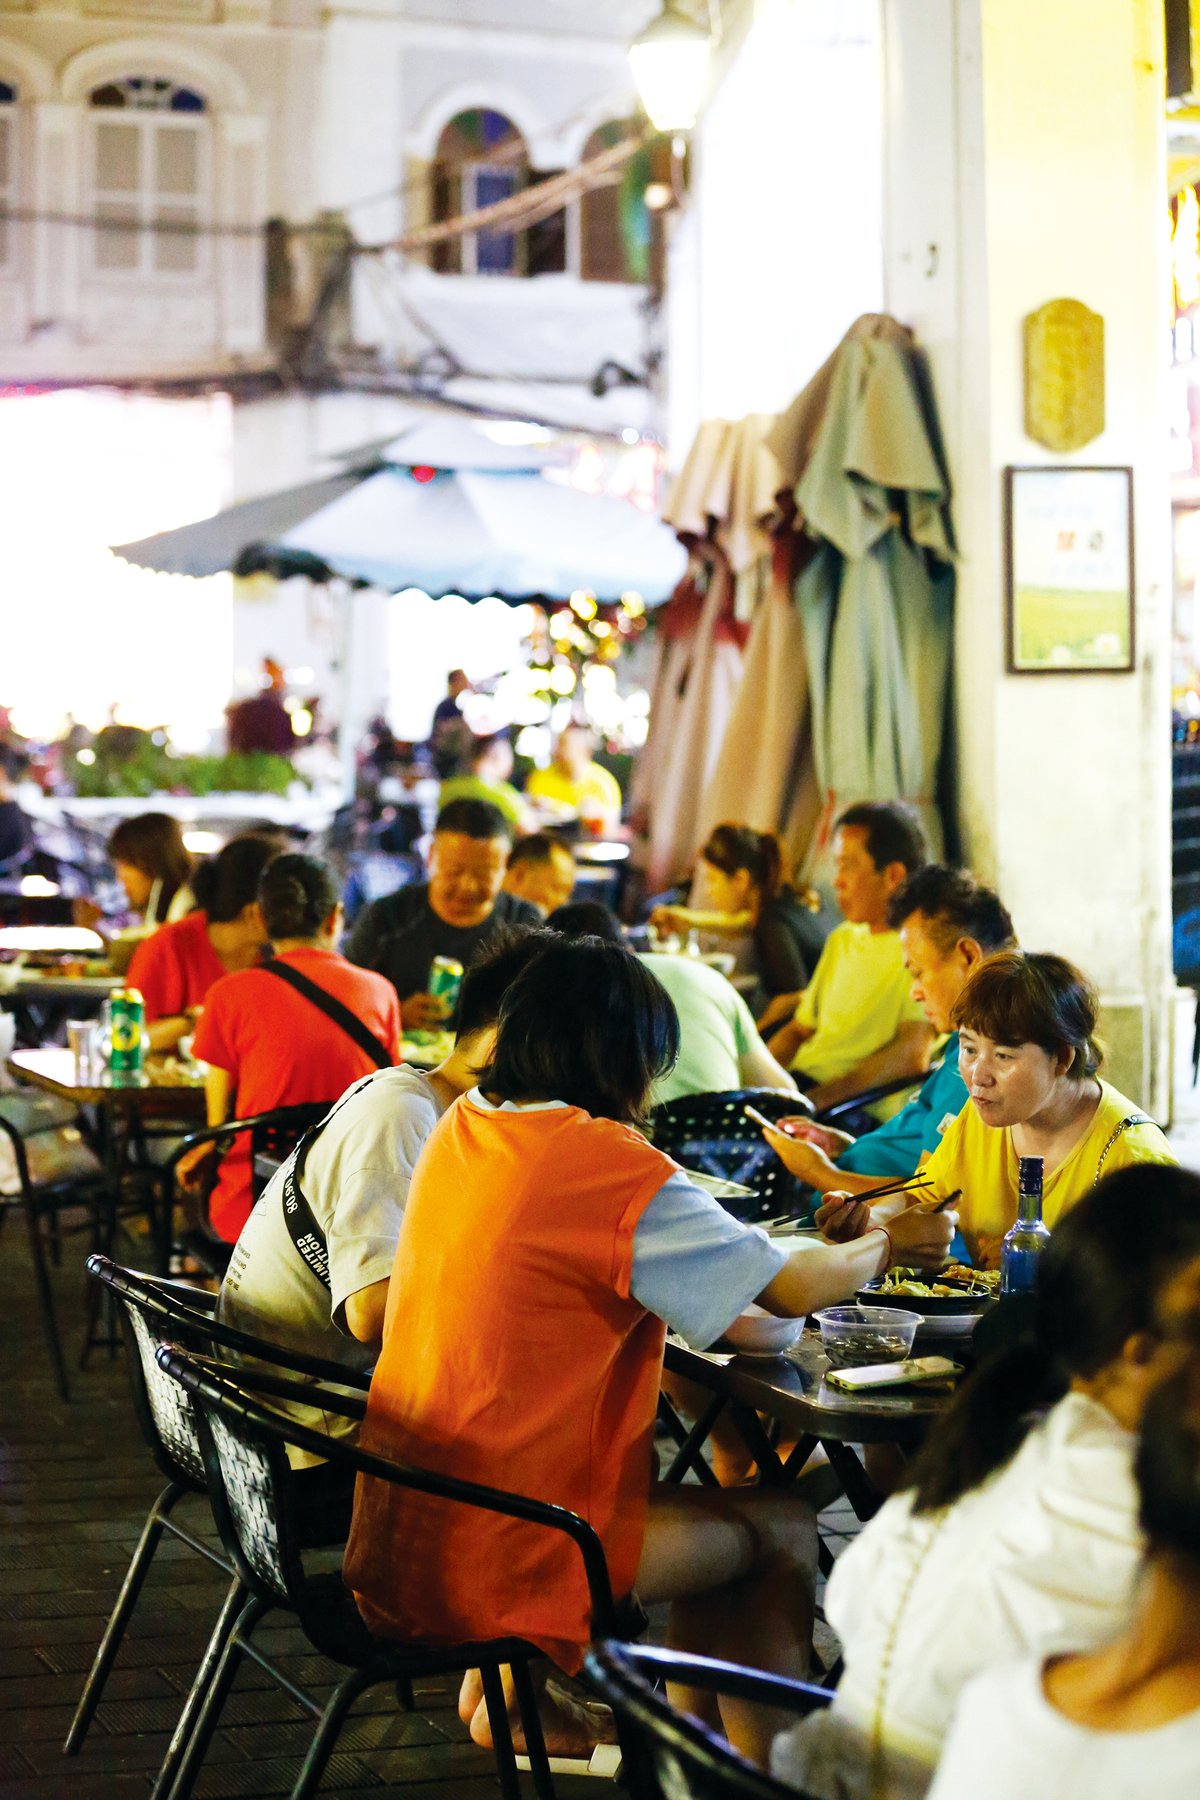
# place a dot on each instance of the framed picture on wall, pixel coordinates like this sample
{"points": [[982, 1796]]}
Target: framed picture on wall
{"points": [[1069, 534]]}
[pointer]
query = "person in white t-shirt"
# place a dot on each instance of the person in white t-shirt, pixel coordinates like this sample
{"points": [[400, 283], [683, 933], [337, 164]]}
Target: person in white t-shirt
{"points": [[1011, 1537], [354, 1174], [1124, 1721]]}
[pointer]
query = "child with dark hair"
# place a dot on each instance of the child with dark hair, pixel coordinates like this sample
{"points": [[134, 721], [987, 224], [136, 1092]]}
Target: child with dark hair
{"points": [[278, 1035], [1017, 1533], [546, 1247], [1122, 1721]]}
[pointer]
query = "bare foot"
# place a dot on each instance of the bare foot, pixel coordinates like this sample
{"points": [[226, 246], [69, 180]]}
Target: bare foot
{"points": [[571, 1727], [470, 1695]]}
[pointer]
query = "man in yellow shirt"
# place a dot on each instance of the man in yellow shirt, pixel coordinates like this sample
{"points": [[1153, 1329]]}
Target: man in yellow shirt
{"points": [[577, 783], [855, 1024]]}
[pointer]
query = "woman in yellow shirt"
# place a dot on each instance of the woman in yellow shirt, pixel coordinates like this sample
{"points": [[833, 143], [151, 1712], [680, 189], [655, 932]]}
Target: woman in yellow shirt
{"points": [[1026, 1022]]}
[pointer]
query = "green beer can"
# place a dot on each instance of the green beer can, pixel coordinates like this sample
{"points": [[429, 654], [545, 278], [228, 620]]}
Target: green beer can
{"points": [[445, 979], [128, 1052]]}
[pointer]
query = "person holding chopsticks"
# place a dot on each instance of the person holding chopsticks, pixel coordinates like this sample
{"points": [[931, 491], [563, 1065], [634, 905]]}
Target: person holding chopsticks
{"points": [[1027, 1051], [524, 1333]]}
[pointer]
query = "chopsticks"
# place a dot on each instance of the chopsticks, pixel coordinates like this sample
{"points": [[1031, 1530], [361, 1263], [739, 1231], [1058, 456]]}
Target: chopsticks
{"points": [[908, 1184]]}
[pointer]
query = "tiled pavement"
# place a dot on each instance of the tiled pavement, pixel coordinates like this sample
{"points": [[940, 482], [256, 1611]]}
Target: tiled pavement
{"points": [[75, 1485]]}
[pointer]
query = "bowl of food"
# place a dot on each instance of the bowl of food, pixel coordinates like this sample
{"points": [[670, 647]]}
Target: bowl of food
{"points": [[853, 1337], [760, 1333], [950, 1303]]}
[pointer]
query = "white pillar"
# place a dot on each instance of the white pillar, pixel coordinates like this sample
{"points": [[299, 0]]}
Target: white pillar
{"points": [[1024, 161]]}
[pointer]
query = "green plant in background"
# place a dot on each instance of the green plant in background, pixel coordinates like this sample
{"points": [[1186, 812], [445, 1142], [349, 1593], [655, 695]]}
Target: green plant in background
{"points": [[132, 765]]}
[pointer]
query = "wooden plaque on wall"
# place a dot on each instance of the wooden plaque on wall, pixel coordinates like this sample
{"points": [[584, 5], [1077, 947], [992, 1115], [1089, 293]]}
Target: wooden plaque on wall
{"points": [[1064, 375]]}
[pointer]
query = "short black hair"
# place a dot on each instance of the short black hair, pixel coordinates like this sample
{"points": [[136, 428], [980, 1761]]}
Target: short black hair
{"points": [[474, 819], [493, 972], [587, 1023], [537, 847], [297, 894], [893, 832], [956, 905], [586, 918], [225, 884]]}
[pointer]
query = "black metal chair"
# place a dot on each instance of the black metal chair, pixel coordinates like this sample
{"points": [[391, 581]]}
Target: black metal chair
{"points": [[273, 1137], [29, 1121], [856, 1103], [711, 1133], [251, 1485], [151, 1313], [667, 1754]]}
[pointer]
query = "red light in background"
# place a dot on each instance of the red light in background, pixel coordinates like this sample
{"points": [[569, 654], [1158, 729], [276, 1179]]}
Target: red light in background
{"points": [[423, 473]]}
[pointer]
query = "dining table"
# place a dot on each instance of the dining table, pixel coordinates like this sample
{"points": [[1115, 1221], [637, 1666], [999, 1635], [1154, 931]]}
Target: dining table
{"points": [[793, 1391], [114, 1108]]}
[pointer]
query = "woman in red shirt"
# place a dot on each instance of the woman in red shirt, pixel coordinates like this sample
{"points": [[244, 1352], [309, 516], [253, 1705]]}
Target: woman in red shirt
{"points": [[174, 969], [545, 1246], [268, 1045]]}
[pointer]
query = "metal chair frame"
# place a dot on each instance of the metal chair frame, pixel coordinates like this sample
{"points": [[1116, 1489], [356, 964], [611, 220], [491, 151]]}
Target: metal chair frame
{"points": [[666, 1753], [273, 1133], [714, 1130], [152, 1310], [42, 1202], [232, 1418]]}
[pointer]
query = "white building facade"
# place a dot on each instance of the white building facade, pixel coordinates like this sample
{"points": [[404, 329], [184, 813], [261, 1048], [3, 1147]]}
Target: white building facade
{"points": [[144, 147]]}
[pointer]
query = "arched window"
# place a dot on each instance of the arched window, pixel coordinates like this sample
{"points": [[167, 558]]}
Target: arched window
{"points": [[614, 224], [150, 177], [8, 170], [481, 158]]}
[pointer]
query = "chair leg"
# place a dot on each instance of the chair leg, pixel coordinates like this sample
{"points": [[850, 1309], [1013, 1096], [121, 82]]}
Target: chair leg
{"points": [[326, 1736], [41, 1276], [497, 1712], [114, 1631], [231, 1606], [213, 1704], [531, 1725]]}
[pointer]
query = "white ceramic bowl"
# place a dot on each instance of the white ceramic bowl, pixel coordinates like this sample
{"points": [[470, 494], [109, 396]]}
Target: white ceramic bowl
{"points": [[759, 1333]]}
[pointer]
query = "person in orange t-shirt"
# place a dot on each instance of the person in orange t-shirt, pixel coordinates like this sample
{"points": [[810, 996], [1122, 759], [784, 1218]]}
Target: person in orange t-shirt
{"points": [[546, 1246], [268, 1045], [174, 970]]}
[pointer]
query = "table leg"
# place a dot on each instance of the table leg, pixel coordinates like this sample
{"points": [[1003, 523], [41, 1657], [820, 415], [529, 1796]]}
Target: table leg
{"points": [[859, 1489], [691, 1443], [101, 1322]]}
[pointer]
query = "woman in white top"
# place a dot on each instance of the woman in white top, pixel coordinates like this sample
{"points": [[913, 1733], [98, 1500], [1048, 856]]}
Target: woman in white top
{"points": [[1012, 1537], [1125, 1721]]}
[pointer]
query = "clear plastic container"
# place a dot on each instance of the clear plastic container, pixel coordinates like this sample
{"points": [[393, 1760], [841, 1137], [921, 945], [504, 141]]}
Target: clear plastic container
{"points": [[853, 1337]]}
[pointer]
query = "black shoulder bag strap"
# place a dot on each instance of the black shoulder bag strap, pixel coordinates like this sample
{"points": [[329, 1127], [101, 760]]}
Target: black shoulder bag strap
{"points": [[333, 1009], [299, 1217]]}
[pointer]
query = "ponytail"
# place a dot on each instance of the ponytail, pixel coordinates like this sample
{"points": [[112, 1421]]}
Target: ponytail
{"points": [[1100, 1283], [732, 847]]}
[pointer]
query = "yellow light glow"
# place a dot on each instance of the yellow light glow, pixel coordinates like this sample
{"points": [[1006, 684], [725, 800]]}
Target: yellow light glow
{"points": [[87, 757], [1185, 249], [601, 628], [561, 623], [562, 679], [583, 605], [302, 721], [633, 604]]}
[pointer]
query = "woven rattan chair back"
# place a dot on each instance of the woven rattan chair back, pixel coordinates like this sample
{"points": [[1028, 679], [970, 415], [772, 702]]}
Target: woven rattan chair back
{"points": [[711, 1133]]}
